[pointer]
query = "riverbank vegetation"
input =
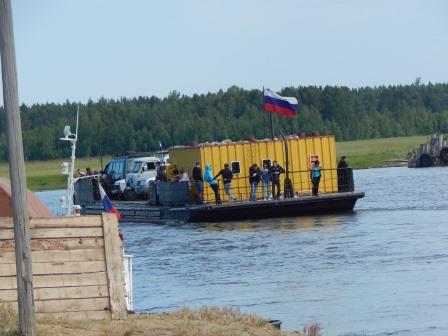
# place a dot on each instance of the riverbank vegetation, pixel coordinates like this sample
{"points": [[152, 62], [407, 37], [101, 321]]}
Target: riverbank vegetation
{"points": [[376, 152], [45, 175], [210, 321], [143, 123]]}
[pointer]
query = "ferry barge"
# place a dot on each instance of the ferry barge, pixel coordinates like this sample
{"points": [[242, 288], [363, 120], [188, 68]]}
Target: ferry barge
{"points": [[177, 201]]}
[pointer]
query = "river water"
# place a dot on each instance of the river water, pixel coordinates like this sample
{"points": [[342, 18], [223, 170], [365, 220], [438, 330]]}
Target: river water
{"points": [[381, 270]]}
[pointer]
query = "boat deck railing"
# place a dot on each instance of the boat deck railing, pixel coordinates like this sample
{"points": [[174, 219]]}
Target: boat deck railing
{"points": [[331, 181]]}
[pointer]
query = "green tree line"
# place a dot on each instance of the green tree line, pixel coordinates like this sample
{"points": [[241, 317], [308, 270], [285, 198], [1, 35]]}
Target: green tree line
{"points": [[140, 124]]}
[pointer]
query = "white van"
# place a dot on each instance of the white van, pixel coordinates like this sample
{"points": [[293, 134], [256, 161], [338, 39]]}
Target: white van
{"points": [[143, 171]]}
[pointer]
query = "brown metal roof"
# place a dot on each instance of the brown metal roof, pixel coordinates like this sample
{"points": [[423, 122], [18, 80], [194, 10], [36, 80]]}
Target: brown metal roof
{"points": [[36, 208]]}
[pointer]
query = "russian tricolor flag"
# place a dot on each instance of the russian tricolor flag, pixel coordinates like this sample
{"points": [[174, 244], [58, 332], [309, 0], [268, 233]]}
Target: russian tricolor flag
{"points": [[286, 106], [107, 204]]}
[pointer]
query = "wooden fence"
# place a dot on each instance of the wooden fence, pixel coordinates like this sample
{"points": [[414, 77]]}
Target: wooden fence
{"points": [[77, 267]]}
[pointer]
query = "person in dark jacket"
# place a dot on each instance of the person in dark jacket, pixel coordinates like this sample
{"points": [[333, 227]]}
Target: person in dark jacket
{"points": [[160, 177], [227, 177], [275, 172], [343, 175], [254, 180], [198, 181]]}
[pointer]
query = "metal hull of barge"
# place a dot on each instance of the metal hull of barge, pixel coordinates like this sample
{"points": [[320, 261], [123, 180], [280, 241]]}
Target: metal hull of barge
{"points": [[139, 212]]}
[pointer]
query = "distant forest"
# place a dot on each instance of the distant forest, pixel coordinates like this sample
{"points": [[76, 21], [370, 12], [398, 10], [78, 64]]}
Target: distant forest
{"points": [[139, 124]]}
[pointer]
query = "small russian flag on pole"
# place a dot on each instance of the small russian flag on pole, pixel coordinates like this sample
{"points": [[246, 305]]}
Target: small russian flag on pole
{"points": [[286, 106], [107, 204]]}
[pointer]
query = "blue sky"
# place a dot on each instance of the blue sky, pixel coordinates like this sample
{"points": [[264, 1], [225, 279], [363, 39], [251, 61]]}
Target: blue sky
{"points": [[81, 49]]}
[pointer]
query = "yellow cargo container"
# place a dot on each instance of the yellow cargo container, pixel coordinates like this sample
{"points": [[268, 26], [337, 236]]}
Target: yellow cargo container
{"points": [[241, 155]]}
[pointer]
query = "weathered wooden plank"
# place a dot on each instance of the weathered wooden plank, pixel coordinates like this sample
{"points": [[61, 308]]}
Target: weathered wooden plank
{"points": [[61, 280], [6, 223], [56, 256], [59, 293], [83, 315], [114, 262], [57, 244], [69, 222], [69, 305], [69, 267], [56, 222], [6, 234]]}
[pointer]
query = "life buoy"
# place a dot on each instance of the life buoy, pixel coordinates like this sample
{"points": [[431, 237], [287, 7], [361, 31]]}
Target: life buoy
{"points": [[425, 161]]}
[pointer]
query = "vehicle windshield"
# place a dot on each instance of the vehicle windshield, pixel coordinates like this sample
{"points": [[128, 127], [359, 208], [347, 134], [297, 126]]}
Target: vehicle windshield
{"points": [[136, 167], [150, 166], [117, 169]]}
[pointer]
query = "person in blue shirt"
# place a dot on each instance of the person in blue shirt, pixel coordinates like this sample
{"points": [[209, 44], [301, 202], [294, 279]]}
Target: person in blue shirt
{"points": [[315, 175], [265, 179], [208, 177]]}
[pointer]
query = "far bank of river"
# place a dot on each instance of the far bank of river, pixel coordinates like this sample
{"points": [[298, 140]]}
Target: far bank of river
{"points": [[380, 270], [45, 175]]}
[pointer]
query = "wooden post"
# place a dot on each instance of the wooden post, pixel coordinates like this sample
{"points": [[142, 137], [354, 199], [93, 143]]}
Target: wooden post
{"points": [[17, 172], [114, 265]]}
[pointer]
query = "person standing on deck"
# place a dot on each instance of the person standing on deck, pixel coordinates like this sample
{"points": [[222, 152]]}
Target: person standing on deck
{"points": [[343, 175], [275, 171], [254, 180], [184, 176], [160, 177], [315, 175], [208, 177], [265, 179], [227, 177], [198, 181]]}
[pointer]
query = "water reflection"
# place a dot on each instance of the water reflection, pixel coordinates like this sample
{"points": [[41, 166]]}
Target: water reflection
{"points": [[291, 223]]}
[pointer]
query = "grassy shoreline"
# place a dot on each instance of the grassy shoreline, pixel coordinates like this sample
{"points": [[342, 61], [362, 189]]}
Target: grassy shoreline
{"points": [[205, 321], [374, 152], [45, 175]]}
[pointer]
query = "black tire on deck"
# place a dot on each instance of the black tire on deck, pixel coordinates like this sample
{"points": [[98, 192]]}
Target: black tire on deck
{"points": [[425, 161], [130, 195], [444, 154]]}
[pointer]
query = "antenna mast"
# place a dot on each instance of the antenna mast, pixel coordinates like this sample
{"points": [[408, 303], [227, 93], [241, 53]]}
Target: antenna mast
{"points": [[72, 138]]}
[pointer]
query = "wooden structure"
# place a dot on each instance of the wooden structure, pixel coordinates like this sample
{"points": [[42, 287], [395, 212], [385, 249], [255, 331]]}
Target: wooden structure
{"points": [[241, 155], [77, 267], [434, 153]]}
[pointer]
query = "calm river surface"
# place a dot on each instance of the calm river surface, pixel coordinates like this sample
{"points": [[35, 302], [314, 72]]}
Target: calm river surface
{"points": [[381, 270]]}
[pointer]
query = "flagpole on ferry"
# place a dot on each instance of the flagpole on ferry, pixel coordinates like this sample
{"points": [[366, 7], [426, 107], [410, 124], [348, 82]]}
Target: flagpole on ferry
{"points": [[270, 118]]}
